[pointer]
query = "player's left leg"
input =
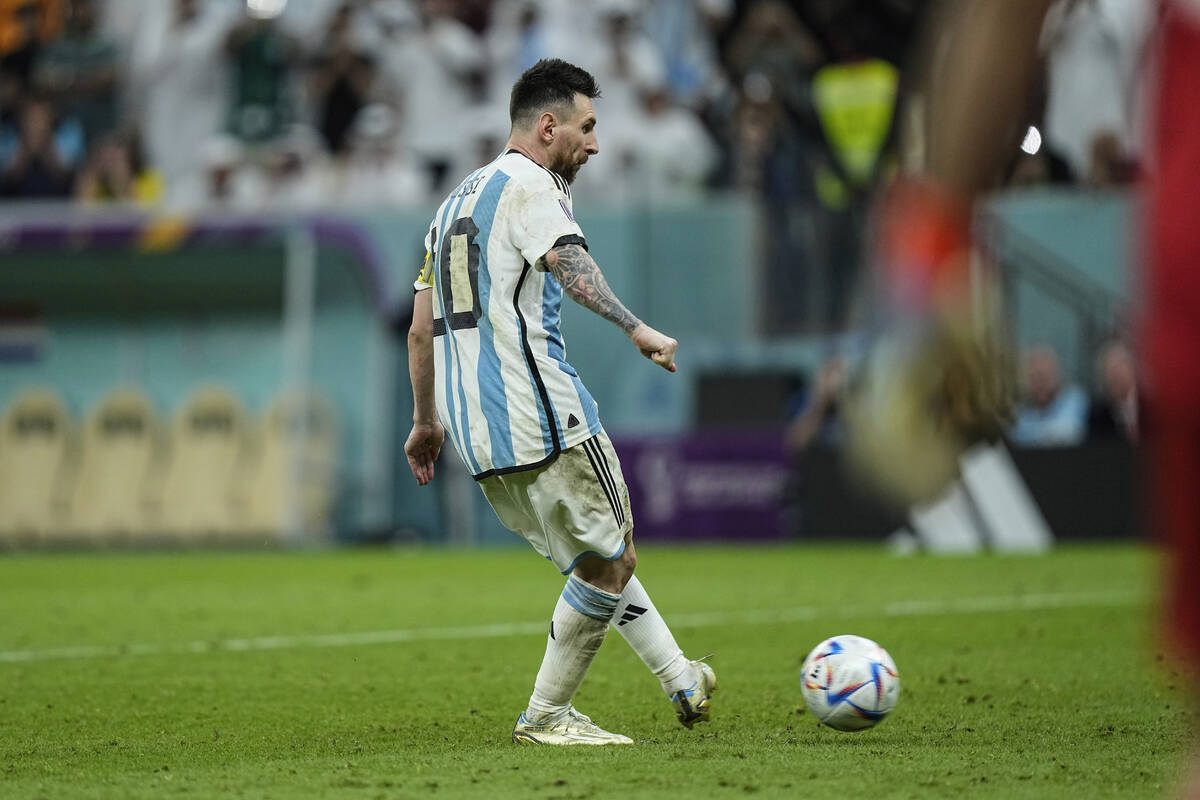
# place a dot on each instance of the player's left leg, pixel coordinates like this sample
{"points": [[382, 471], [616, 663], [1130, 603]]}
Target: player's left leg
{"points": [[689, 684]]}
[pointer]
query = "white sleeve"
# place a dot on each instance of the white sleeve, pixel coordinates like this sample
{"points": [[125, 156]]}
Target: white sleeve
{"points": [[543, 216]]}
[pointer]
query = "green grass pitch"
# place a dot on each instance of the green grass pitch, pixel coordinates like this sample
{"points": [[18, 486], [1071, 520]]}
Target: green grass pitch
{"points": [[399, 673]]}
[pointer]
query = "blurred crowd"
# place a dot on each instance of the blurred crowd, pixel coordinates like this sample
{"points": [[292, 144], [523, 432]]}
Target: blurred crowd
{"points": [[1052, 410], [252, 104], [277, 105]]}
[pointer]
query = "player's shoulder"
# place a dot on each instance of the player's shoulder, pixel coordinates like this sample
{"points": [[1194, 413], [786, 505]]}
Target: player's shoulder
{"points": [[531, 176]]}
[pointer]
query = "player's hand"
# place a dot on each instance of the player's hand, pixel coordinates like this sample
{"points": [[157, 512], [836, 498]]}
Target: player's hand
{"points": [[657, 347], [940, 376], [422, 448]]}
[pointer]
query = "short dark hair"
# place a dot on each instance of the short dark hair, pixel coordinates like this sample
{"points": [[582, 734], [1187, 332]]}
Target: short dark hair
{"points": [[549, 82]]}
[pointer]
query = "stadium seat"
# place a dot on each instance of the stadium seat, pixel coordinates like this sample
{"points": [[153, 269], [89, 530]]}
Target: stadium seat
{"points": [[205, 459], [35, 465], [120, 447], [311, 497]]}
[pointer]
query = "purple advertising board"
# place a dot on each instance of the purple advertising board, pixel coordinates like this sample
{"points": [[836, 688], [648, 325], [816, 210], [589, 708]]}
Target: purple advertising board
{"points": [[707, 485]]}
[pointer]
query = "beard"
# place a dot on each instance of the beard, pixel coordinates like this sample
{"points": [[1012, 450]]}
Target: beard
{"points": [[567, 168]]}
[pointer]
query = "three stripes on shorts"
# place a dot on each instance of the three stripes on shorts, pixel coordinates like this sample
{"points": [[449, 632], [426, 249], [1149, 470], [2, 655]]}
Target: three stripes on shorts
{"points": [[600, 464]]}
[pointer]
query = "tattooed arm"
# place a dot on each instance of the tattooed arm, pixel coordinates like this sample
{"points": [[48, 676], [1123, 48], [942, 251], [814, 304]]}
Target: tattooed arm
{"points": [[581, 278]]}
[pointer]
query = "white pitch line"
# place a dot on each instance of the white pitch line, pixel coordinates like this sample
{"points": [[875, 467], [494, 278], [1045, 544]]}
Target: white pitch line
{"points": [[901, 608]]}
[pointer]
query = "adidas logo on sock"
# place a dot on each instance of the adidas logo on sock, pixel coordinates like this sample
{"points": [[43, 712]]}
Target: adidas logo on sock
{"points": [[632, 612]]}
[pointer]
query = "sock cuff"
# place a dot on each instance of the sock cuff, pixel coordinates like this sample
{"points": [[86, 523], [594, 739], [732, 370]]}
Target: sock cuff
{"points": [[588, 600]]}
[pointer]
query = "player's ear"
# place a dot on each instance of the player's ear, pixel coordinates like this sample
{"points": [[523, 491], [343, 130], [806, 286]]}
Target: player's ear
{"points": [[545, 126]]}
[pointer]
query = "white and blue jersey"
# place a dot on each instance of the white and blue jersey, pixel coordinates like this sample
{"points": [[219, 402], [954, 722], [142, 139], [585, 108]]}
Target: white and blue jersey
{"points": [[505, 393]]}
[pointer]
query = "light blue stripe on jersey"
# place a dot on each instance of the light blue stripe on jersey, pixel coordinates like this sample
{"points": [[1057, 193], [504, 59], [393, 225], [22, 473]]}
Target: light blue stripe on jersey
{"points": [[447, 359], [459, 420], [492, 398], [551, 314], [464, 413], [551, 304]]}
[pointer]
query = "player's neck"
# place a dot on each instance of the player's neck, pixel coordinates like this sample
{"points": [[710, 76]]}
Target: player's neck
{"points": [[535, 152]]}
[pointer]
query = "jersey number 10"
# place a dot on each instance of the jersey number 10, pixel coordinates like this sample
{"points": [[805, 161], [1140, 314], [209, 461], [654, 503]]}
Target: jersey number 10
{"points": [[459, 268]]}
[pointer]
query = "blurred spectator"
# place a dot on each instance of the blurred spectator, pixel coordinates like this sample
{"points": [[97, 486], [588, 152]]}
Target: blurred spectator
{"points": [[521, 33], [756, 130], [378, 170], [855, 104], [1114, 411], [620, 55], [774, 143], [116, 172], [36, 167], [308, 20], [230, 182], [815, 424], [78, 72], [660, 151], [441, 64], [685, 32], [120, 21], [818, 419], [1050, 414], [1094, 57], [184, 86], [25, 26], [340, 81], [773, 41], [296, 172], [262, 57]]}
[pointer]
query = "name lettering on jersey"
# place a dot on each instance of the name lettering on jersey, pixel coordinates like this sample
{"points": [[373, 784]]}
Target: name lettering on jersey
{"points": [[467, 187]]}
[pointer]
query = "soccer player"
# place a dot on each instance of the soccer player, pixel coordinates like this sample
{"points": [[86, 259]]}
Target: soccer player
{"points": [[488, 367], [984, 72]]}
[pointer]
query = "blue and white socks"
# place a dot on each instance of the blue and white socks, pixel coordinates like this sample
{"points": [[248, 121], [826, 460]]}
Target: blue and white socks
{"points": [[639, 622], [577, 630]]}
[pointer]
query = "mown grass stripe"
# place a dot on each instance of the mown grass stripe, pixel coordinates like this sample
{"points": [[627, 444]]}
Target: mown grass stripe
{"points": [[901, 608]]}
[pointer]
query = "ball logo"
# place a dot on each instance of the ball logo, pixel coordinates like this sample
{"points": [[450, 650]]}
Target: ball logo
{"points": [[566, 210]]}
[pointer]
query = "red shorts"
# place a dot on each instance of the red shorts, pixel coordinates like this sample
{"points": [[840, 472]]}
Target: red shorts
{"points": [[1170, 324]]}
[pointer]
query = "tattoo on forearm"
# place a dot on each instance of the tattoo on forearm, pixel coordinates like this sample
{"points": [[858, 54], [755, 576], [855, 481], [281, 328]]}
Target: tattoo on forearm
{"points": [[582, 279]]}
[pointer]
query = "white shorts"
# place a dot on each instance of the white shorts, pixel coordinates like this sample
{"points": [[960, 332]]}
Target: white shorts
{"points": [[575, 506]]}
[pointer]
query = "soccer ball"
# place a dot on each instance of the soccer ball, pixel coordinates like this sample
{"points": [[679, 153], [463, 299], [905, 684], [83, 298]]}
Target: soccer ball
{"points": [[849, 683]]}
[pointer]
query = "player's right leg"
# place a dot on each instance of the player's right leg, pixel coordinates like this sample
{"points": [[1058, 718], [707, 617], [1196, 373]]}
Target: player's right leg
{"points": [[577, 629], [588, 547]]}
